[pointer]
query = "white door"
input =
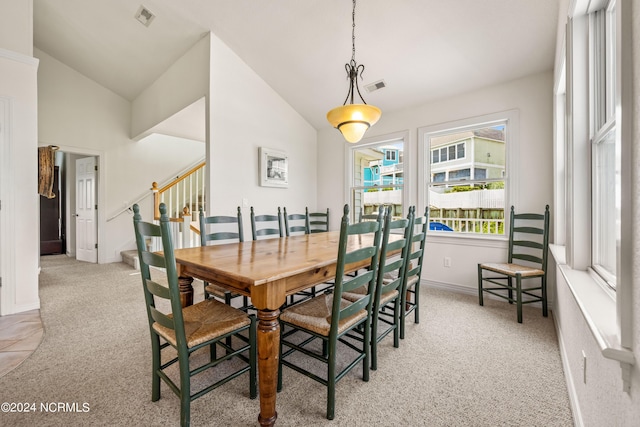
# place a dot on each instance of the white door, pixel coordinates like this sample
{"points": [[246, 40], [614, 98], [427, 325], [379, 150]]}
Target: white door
{"points": [[86, 210]]}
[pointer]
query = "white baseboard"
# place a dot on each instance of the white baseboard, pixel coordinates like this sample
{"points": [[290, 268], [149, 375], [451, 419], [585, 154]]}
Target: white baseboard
{"points": [[571, 389]]}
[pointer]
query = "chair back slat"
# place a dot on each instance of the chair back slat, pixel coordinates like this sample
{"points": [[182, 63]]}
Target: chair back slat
{"points": [[526, 257], [263, 225], [317, 222], [295, 223], [367, 254], [528, 230], [162, 318], [528, 244], [157, 289], [529, 216], [218, 227], [532, 242], [361, 279]]}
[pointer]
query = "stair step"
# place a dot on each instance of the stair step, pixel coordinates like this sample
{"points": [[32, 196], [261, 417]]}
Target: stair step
{"points": [[131, 258]]}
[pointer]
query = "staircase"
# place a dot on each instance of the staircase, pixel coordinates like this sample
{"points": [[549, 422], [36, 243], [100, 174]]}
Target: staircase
{"points": [[131, 257], [184, 198]]}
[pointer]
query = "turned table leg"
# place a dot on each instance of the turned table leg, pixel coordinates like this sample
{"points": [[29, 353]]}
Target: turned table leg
{"points": [[268, 358], [186, 291]]}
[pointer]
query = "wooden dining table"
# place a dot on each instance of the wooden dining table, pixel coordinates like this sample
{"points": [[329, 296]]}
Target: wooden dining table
{"points": [[267, 271]]}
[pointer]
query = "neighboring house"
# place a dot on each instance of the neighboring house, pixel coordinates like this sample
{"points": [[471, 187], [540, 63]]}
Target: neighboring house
{"points": [[385, 171], [469, 155]]}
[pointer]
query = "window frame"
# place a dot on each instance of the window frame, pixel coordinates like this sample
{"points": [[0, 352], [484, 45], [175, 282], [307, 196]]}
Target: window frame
{"points": [[511, 119], [602, 122], [373, 141]]}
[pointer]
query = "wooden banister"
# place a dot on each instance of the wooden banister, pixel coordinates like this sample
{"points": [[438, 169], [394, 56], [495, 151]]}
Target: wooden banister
{"points": [[179, 196]]}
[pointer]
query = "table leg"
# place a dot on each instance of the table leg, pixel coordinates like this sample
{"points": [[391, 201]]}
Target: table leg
{"points": [[268, 359], [186, 290]]}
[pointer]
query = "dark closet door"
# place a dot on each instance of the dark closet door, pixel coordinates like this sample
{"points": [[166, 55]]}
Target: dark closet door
{"points": [[50, 236]]}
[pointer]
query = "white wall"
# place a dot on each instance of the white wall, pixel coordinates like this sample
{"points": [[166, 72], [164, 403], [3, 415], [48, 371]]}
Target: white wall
{"points": [[83, 117], [186, 81], [16, 26], [531, 96], [245, 114]]}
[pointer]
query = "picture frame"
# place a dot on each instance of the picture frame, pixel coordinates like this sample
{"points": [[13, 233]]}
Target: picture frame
{"points": [[274, 168]]}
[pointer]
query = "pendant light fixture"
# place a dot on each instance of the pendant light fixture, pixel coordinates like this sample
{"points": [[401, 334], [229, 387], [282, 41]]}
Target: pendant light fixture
{"points": [[353, 120]]}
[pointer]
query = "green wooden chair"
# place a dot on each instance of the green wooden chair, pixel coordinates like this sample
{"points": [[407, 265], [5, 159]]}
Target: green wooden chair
{"points": [[327, 318], [318, 222], [410, 293], [389, 283], [205, 324], [218, 229], [266, 225], [295, 223], [527, 259]]}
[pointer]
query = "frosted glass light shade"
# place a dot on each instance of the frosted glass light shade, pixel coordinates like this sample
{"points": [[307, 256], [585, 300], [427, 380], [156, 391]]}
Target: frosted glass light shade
{"points": [[353, 120]]}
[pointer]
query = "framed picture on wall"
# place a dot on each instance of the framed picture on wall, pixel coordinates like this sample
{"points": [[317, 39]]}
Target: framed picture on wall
{"points": [[274, 168]]}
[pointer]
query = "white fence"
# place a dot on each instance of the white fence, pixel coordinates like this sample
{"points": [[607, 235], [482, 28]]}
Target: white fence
{"points": [[483, 199]]}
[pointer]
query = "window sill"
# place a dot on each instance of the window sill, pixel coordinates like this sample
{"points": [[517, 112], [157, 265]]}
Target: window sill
{"points": [[599, 310], [463, 239]]}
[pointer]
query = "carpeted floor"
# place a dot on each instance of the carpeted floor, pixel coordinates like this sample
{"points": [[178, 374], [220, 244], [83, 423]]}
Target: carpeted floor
{"points": [[463, 365]]}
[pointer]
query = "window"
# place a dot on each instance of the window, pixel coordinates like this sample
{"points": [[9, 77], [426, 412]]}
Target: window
{"points": [[605, 147], [377, 175], [435, 156], [452, 152], [391, 155], [467, 189]]}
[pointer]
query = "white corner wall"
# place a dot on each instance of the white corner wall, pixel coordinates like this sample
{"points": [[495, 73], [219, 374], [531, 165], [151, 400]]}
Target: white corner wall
{"points": [[532, 96], [245, 113], [20, 205]]}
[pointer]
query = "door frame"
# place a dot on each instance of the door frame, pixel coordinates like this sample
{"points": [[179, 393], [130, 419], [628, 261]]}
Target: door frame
{"points": [[100, 185]]}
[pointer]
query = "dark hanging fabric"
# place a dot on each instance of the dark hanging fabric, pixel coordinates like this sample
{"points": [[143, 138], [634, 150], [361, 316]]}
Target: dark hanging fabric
{"points": [[46, 165]]}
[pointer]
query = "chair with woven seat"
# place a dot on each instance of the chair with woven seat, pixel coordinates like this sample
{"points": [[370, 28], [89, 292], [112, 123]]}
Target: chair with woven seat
{"points": [[318, 222], [221, 229], [326, 319], [410, 302], [266, 225], [295, 223], [389, 283], [206, 324], [527, 259]]}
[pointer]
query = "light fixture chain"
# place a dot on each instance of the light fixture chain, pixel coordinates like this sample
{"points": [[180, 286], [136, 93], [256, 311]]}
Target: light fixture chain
{"points": [[353, 32]]}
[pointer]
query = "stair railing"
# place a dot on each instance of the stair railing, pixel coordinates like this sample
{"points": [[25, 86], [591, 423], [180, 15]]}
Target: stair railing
{"points": [[184, 197]]}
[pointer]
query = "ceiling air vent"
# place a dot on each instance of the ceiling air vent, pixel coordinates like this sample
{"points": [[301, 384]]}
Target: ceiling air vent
{"points": [[375, 86], [144, 16]]}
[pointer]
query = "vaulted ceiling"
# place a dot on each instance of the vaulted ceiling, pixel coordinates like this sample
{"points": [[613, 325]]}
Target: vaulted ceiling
{"points": [[422, 49]]}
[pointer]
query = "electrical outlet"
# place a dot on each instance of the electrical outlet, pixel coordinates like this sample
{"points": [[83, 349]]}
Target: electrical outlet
{"points": [[447, 261], [584, 367]]}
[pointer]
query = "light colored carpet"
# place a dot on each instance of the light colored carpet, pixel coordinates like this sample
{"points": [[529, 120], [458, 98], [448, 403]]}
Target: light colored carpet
{"points": [[463, 365]]}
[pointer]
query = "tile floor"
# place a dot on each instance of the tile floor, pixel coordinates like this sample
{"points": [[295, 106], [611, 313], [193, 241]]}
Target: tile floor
{"points": [[20, 335]]}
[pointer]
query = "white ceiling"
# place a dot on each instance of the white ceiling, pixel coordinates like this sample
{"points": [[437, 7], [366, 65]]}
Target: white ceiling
{"points": [[423, 49]]}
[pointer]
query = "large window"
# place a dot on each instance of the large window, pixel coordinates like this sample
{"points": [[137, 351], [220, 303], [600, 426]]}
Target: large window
{"points": [[605, 146], [377, 176], [466, 177]]}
